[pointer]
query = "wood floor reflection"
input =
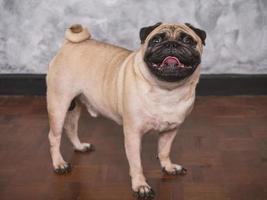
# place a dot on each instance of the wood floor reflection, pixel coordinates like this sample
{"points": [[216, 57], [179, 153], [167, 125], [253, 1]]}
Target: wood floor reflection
{"points": [[223, 144]]}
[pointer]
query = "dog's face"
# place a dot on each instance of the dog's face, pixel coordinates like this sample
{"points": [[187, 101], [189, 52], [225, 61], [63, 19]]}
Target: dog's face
{"points": [[172, 51]]}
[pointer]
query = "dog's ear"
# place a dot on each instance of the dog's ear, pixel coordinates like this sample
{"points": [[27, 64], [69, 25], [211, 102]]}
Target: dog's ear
{"points": [[144, 32], [199, 32]]}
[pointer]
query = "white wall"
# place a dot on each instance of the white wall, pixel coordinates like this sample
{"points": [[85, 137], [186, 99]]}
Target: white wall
{"points": [[31, 31]]}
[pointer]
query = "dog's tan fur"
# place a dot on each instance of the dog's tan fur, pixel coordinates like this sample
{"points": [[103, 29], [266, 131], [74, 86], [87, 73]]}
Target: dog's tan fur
{"points": [[115, 82]]}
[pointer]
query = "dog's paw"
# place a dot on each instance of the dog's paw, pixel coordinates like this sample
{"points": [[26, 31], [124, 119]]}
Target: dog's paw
{"points": [[174, 170], [62, 168], [84, 147], [144, 192]]}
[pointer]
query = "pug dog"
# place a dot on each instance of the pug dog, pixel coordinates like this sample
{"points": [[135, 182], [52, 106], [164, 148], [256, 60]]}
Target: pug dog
{"points": [[148, 90]]}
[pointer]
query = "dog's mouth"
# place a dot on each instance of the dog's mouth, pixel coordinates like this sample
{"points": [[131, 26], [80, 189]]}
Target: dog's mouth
{"points": [[171, 62], [170, 68]]}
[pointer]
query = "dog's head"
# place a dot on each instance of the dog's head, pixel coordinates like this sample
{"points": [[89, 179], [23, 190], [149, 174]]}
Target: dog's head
{"points": [[172, 52]]}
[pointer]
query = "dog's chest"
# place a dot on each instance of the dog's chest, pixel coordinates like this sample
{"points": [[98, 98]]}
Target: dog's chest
{"points": [[163, 114], [160, 124]]}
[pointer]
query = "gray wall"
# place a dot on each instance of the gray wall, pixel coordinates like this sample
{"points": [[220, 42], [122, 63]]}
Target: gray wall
{"points": [[31, 31]]}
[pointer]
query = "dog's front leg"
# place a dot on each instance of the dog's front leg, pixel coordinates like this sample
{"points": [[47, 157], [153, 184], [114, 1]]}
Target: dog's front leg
{"points": [[133, 151], [164, 148]]}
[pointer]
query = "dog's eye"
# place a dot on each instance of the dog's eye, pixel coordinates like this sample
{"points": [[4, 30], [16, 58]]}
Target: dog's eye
{"points": [[157, 39], [187, 40]]}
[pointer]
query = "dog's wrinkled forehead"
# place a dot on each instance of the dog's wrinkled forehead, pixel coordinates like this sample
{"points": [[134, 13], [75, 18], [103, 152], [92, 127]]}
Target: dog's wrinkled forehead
{"points": [[172, 31]]}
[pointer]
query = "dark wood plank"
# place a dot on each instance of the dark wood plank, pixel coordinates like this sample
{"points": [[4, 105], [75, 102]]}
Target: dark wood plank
{"points": [[223, 144]]}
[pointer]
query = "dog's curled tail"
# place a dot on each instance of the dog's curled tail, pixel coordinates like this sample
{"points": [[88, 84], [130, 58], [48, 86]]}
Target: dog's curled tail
{"points": [[77, 33]]}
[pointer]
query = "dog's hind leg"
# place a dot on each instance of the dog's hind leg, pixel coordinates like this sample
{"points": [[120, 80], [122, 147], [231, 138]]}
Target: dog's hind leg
{"points": [[71, 127], [57, 107]]}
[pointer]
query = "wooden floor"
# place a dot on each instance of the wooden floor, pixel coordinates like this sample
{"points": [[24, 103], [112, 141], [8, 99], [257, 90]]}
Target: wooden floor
{"points": [[223, 144]]}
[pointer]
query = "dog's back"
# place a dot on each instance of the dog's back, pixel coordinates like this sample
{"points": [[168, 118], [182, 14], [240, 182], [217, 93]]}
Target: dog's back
{"points": [[80, 51]]}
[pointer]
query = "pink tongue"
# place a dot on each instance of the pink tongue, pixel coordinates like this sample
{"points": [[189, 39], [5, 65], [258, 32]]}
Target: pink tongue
{"points": [[171, 60]]}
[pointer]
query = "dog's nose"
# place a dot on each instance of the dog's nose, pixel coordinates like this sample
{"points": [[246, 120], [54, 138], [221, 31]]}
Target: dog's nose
{"points": [[171, 44]]}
